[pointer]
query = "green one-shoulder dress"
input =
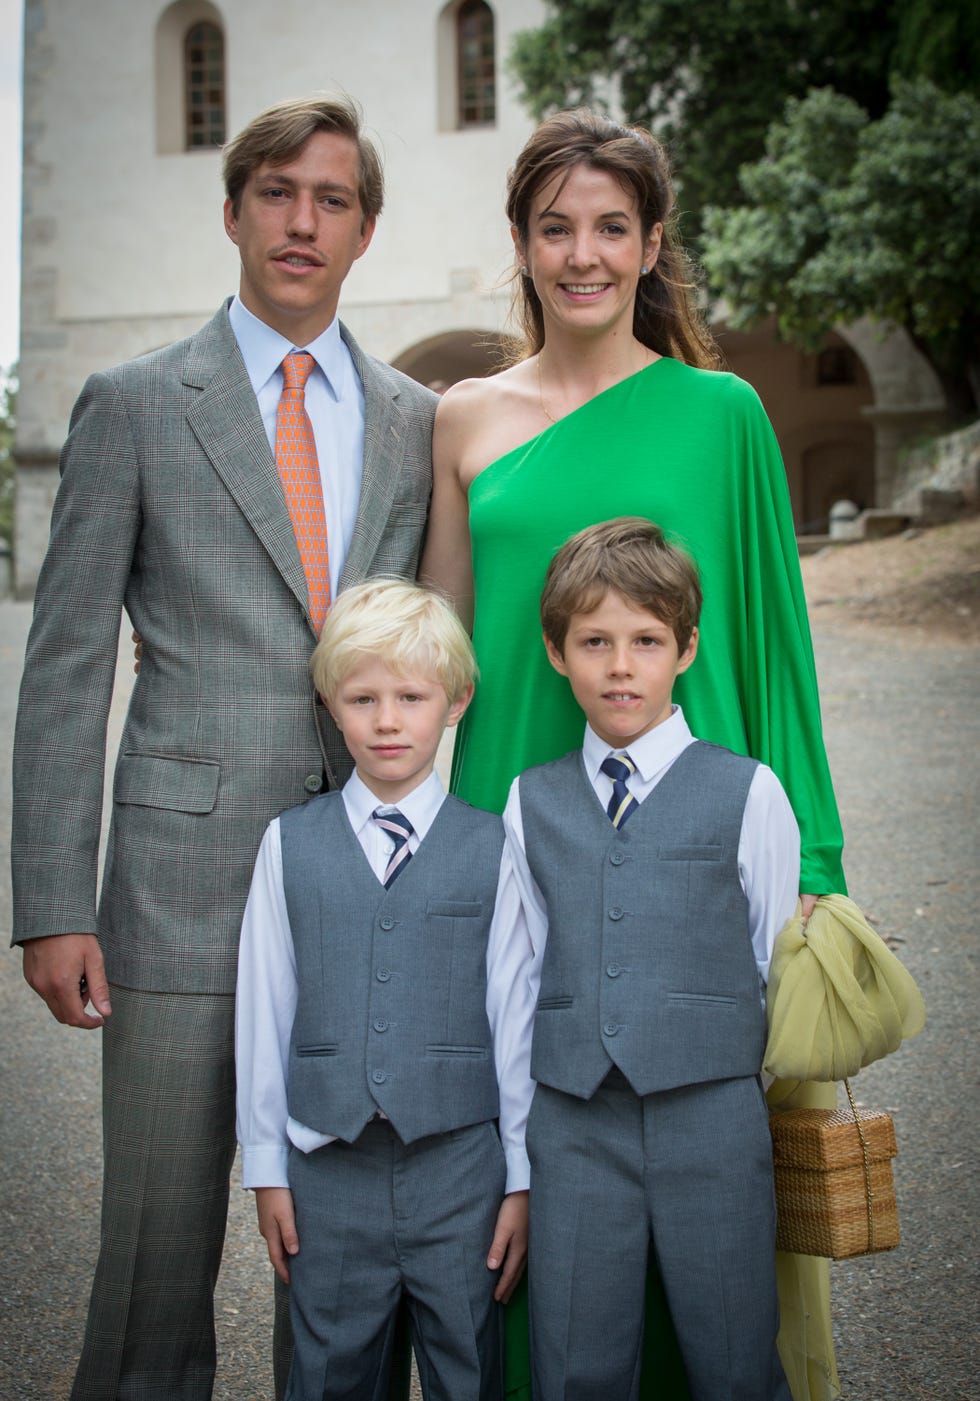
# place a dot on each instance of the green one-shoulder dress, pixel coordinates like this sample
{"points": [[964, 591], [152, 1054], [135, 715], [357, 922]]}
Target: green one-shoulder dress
{"points": [[692, 450]]}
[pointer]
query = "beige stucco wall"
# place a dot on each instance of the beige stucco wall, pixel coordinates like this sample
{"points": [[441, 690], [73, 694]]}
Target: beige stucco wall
{"points": [[123, 245]]}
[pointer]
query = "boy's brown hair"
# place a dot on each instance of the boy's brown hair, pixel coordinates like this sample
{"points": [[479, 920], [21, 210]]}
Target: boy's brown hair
{"points": [[630, 556]]}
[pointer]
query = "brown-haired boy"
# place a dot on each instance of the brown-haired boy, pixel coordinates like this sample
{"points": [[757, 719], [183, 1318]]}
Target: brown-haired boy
{"points": [[655, 872]]}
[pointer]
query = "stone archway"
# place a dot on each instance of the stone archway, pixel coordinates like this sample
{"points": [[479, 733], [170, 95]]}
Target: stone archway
{"points": [[818, 407], [837, 469], [441, 360]]}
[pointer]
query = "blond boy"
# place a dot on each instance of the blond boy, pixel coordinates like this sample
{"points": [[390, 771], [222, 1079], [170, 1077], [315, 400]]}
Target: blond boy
{"points": [[368, 1091]]}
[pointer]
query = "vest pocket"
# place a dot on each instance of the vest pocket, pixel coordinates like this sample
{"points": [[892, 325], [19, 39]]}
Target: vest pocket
{"points": [[314, 1050], [456, 1051], [689, 853], [554, 1004], [711, 998]]}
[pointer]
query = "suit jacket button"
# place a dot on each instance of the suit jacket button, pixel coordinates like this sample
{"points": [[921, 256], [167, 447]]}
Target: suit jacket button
{"points": [[378, 1076], [313, 782], [610, 1029], [383, 975], [380, 1024], [615, 912], [613, 970], [617, 858], [386, 922]]}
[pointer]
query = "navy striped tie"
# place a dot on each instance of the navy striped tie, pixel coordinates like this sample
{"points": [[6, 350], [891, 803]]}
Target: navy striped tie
{"points": [[399, 829], [622, 804]]}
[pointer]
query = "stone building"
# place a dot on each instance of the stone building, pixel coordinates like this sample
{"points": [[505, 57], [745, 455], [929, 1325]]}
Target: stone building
{"points": [[124, 250]]}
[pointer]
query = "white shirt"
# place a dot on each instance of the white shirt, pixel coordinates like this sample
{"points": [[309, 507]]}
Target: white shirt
{"points": [[335, 405], [266, 999], [768, 868]]}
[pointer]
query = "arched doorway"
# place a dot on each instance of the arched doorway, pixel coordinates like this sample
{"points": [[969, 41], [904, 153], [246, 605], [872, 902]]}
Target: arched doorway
{"points": [[442, 360], [816, 406]]}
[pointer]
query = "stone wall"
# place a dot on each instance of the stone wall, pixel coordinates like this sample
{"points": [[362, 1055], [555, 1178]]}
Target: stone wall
{"points": [[948, 464]]}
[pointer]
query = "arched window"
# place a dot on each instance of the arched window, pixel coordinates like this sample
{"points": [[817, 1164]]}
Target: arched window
{"points": [[204, 86], [476, 94]]}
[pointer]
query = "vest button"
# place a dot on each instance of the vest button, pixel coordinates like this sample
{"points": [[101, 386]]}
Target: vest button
{"points": [[610, 1029], [313, 782], [381, 1024], [386, 922], [617, 858], [613, 969], [616, 912], [378, 1076], [383, 975]]}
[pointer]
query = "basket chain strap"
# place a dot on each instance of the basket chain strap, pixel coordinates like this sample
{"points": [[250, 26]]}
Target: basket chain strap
{"points": [[869, 1195]]}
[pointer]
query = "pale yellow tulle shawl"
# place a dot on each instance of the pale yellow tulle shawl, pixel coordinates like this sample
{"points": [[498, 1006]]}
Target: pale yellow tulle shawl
{"points": [[837, 997], [837, 1000]]}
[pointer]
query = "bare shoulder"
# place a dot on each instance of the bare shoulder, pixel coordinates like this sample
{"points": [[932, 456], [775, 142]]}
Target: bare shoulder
{"points": [[479, 420], [486, 395]]}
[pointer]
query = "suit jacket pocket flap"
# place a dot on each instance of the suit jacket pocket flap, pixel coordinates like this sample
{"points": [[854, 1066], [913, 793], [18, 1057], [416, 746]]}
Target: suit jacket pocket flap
{"points": [[455, 909], [167, 781]]}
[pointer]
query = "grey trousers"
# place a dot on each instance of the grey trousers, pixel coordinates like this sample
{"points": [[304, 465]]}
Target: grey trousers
{"points": [[688, 1171], [168, 1114], [379, 1221]]}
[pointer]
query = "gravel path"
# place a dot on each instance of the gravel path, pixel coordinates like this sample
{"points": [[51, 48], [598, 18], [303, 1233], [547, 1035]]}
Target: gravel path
{"points": [[901, 718]]}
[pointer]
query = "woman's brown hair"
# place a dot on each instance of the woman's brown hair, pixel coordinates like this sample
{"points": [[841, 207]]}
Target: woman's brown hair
{"points": [[665, 317]]}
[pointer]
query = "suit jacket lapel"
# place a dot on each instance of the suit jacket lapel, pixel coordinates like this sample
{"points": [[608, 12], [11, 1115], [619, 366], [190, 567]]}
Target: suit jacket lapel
{"points": [[382, 452], [226, 422]]}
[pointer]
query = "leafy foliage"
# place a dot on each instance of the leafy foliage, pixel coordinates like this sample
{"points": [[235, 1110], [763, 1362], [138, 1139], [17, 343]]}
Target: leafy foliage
{"points": [[845, 216], [708, 77], [850, 206]]}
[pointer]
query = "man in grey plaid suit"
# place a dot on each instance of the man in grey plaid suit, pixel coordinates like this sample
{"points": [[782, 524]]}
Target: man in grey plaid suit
{"points": [[170, 506]]}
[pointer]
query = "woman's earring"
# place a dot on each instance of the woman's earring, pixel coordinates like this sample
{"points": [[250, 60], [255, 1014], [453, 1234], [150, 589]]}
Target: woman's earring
{"points": [[523, 271], [644, 270]]}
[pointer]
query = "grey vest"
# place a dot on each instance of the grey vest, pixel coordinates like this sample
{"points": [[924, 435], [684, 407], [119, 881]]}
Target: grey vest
{"points": [[648, 965], [391, 1010]]}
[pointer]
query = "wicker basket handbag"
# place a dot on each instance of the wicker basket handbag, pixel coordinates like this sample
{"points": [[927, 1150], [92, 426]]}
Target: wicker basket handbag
{"points": [[835, 1194]]}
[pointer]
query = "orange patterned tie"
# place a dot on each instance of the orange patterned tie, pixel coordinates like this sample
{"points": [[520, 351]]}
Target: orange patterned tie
{"points": [[299, 473]]}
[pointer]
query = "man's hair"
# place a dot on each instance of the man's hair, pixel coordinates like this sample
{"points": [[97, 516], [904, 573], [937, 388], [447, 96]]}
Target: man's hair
{"points": [[410, 629], [632, 557], [279, 133]]}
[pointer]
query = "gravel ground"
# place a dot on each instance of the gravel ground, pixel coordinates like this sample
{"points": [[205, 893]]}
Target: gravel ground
{"points": [[899, 680]]}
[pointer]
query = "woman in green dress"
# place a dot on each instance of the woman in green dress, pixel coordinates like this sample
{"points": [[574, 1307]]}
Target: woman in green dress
{"points": [[617, 407]]}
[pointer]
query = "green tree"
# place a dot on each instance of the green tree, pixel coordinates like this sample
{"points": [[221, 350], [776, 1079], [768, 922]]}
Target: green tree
{"points": [[846, 217], [8, 419], [708, 77]]}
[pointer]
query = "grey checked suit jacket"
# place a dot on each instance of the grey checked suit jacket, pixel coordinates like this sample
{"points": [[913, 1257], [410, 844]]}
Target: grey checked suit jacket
{"points": [[170, 506]]}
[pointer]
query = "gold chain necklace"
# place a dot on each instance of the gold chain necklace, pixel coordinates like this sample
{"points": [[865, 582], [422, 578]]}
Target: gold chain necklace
{"points": [[544, 409]]}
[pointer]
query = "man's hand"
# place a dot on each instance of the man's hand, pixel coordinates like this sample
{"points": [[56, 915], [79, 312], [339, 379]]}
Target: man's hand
{"points": [[509, 1247], [68, 972], [277, 1223]]}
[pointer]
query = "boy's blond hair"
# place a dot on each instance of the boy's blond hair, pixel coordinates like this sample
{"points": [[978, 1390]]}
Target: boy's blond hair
{"points": [[630, 556], [409, 628]]}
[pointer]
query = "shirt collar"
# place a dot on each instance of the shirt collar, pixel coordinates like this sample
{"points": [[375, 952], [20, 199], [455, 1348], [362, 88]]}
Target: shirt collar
{"points": [[420, 806], [651, 753], [264, 349]]}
